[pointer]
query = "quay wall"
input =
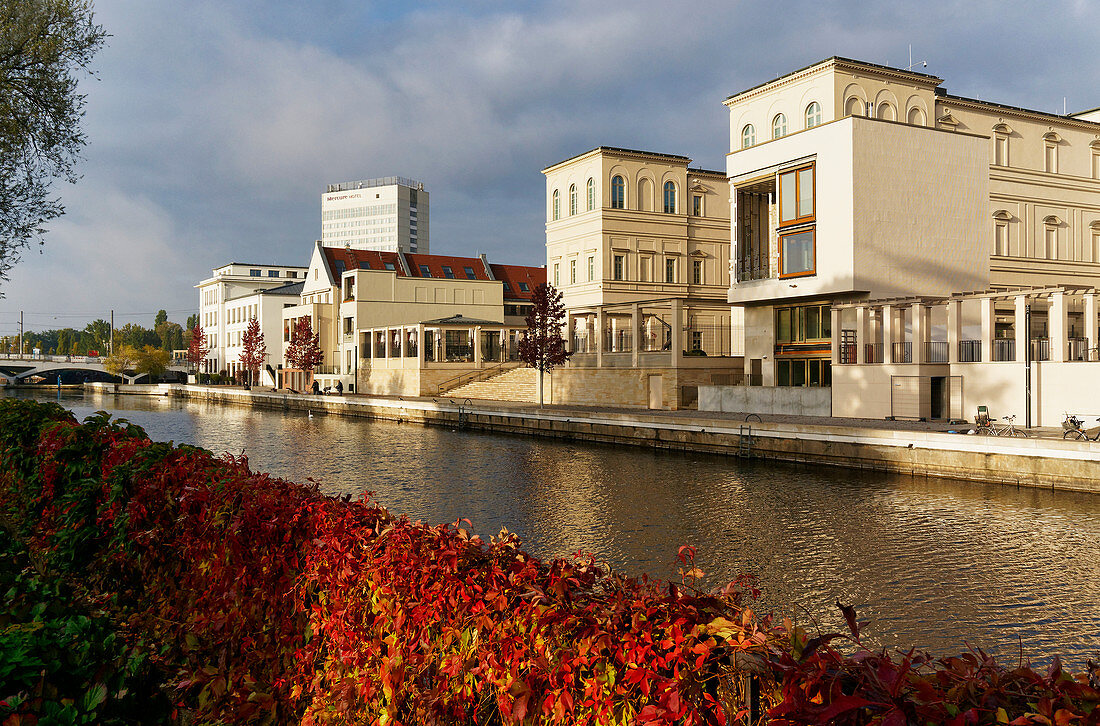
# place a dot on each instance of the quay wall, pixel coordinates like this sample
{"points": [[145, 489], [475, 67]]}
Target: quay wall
{"points": [[1031, 462]]}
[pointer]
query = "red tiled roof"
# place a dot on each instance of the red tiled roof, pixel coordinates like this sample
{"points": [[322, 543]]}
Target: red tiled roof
{"points": [[516, 276]]}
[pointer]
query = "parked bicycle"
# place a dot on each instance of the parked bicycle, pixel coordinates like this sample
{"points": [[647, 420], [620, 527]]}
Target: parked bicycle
{"points": [[1075, 430], [990, 427]]}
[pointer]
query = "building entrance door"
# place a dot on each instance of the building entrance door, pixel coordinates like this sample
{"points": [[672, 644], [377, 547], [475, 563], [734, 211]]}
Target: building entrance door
{"points": [[939, 394], [656, 391]]}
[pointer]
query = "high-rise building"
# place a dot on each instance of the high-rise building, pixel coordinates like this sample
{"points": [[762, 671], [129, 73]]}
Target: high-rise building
{"points": [[388, 214]]}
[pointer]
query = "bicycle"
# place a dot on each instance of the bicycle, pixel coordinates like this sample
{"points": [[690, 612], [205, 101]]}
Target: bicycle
{"points": [[1075, 430], [990, 428]]}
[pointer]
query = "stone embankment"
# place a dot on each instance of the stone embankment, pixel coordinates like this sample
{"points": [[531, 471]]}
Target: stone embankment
{"points": [[1043, 462]]}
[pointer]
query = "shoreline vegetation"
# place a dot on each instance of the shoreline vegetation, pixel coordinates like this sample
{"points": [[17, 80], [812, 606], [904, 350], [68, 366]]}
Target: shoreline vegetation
{"points": [[153, 583]]}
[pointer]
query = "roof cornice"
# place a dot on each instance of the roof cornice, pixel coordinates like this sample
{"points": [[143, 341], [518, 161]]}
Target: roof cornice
{"points": [[616, 151], [1017, 111]]}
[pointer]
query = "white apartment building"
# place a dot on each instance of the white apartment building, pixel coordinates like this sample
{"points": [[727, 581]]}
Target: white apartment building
{"points": [[891, 240], [389, 214], [223, 298]]}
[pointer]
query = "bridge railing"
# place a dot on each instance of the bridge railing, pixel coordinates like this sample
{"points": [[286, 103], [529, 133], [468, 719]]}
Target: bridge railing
{"points": [[53, 358]]}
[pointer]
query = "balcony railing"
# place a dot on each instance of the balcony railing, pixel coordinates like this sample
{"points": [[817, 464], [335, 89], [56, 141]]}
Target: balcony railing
{"points": [[1004, 350], [582, 343], [617, 341], [935, 351], [847, 353], [903, 352], [1040, 349], [970, 351], [752, 269], [872, 352], [1078, 349]]}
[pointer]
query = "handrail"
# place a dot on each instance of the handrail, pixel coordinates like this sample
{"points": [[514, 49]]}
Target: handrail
{"points": [[470, 376]]}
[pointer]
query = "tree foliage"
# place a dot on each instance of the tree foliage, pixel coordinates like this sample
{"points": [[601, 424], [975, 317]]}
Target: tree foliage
{"points": [[44, 44], [197, 349], [253, 349], [124, 358], [304, 352], [152, 361], [543, 347]]}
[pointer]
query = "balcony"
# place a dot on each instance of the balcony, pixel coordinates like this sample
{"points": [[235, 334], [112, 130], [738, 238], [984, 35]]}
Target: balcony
{"points": [[935, 351], [749, 269], [903, 352], [1004, 350], [970, 351]]}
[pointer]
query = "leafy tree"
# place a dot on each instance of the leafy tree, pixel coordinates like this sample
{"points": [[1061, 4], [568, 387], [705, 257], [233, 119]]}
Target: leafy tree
{"points": [[197, 348], [253, 349], [124, 358], [136, 336], [192, 321], [97, 336], [162, 317], [170, 335], [152, 361], [43, 46], [543, 347], [304, 352]]}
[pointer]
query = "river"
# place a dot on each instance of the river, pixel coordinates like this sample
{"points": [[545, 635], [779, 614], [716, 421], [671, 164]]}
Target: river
{"points": [[936, 564]]}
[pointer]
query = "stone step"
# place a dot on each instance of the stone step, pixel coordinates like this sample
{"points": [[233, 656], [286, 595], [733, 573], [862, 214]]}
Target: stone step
{"points": [[516, 384]]}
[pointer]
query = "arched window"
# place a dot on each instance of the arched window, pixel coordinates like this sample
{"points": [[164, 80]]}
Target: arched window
{"points": [[670, 197], [572, 199], [779, 126], [916, 116], [853, 107], [618, 192], [645, 195], [1050, 152], [813, 115], [886, 112], [555, 205], [748, 136], [591, 194]]}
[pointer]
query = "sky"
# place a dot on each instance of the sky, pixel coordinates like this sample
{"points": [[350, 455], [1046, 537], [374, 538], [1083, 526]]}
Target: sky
{"points": [[213, 127]]}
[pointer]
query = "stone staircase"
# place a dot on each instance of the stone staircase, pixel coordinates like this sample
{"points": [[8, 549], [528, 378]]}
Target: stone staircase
{"points": [[515, 384]]}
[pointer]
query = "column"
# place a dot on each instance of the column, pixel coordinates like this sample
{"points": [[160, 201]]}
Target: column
{"points": [[570, 332], [920, 331], [677, 332], [419, 346], [888, 334], [387, 343], [1090, 325], [472, 337], [988, 328], [477, 347], [835, 327], [635, 333], [441, 337], [953, 316], [601, 320], [1021, 328], [861, 334], [1058, 325]]}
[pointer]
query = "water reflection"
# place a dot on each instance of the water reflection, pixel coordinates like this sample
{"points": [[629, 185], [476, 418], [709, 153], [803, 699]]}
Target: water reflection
{"points": [[932, 563]]}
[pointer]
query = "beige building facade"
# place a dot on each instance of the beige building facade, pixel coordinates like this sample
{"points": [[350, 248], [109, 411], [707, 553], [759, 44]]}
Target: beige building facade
{"points": [[854, 182]]}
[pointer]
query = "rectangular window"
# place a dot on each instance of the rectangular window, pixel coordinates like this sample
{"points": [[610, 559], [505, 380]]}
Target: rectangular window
{"points": [[523, 287], [1000, 239], [469, 273], [1051, 251], [253, 273], [572, 272], [557, 275], [424, 271], [796, 196], [696, 340], [389, 266], [1000, 151], [697, 205], [272, 273], [1050, 158], [591, 269], [1096, 165], [448, 272], [803, 323], [619, 263], [644, 266], [783, 325], [783, 373], [505, 286], [670, 270], [797, 256], [697, 272]]}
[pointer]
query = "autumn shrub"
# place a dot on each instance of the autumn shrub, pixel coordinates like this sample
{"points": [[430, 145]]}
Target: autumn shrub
{"points": [[271, 603]]}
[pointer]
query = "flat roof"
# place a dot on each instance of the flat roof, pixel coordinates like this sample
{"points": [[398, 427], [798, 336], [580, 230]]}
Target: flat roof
{"points": [[1020, 109], [936, 80], [620, 150]]}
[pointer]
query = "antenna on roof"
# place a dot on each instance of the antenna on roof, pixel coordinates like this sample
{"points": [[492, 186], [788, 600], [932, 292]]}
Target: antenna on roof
{"points": [[922, 64], [1063, 105]]}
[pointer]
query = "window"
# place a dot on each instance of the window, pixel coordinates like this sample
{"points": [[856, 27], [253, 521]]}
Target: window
{"points": [[1050, 154], [696, 340], [796, 196], [779, 126], [424, 271], [618, 193], [448, 272], [886, 112], [591, 269], [854, 107], [813, 115], [803, 372], [1050, 242], [748, 136], [389, 266], [916, 117], [292, 274], [469, 273], [670, 269], [572, 272], [803, 323], [796, 254], [697, 205], [697, 272], [1000, 150], [272, 273], [557, 277], [670, 197], [619, 263], [591, 194], [1096, 159], [505, 286], [645, 264], [572, 199], [253, 273], [523, 287], [1000, 239], [555, 205]]}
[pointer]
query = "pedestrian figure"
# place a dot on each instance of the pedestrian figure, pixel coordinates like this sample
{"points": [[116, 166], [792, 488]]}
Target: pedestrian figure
{"points": [[339, 387], [316, 388]]}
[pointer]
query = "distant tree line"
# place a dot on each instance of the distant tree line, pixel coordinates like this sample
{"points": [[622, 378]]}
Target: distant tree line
{"points": [[164, 335]]}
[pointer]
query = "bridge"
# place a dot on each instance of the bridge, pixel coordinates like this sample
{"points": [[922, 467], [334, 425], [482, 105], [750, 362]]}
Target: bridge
{"points": [[15, 368]]}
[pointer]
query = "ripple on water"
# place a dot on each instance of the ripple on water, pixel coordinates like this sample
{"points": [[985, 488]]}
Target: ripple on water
{"points": [[930, 563]]}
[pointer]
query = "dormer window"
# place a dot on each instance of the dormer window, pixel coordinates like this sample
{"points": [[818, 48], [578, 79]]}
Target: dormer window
{"points": [[448, 272], [424, 271]]}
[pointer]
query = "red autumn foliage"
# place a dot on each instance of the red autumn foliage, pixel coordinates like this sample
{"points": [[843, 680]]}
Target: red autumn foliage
{"points": [[275, 603], [197, 349]]}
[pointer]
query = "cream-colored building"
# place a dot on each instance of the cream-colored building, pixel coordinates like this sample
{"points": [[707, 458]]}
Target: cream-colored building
{"points": [[638, 244], [854, 182], [229, 297]]}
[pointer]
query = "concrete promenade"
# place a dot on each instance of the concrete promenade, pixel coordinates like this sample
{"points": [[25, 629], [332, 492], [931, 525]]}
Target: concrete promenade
{"points": [[908, 447]]}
